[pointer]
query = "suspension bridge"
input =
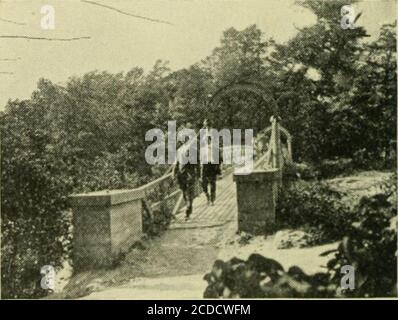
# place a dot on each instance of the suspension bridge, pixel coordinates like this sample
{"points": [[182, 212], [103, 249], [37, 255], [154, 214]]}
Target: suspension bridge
{"points": [[108, 223]]}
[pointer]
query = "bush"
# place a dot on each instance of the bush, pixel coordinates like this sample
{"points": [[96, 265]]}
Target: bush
{"points": [[107, 171], [155, 222], [261, 277], [365, 161], [332, 168], [314, 208], [34, 219], [293, 171], [370, 247]]}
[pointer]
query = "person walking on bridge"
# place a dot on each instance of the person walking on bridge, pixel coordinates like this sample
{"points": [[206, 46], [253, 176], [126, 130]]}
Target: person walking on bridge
{"points": [[187, 176], [211, 168]]}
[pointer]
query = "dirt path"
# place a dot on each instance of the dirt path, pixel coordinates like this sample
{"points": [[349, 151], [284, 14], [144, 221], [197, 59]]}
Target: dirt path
{"points": [[175, 255], [172, 268]]}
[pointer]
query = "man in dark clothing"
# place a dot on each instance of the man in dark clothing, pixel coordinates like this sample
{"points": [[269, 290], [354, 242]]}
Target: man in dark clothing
{"points": [[209, 174], [210, 171], [187, 176]]}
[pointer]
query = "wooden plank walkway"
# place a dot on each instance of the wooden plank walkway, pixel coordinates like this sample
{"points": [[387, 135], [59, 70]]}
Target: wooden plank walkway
{"points": [[205, 216]]}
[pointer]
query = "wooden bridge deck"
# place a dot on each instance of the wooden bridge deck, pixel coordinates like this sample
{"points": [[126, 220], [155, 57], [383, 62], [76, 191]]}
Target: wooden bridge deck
{"points": [[203, 215]]}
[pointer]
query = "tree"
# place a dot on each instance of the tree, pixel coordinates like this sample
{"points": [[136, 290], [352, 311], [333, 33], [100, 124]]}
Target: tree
{"points": [[371, 101], [35, 228]]}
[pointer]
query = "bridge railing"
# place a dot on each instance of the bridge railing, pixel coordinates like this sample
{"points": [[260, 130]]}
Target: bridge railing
{"points": [[159, 197], [163, 197]]}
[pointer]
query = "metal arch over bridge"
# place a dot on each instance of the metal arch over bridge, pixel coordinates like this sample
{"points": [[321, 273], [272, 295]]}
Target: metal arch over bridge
{"points": [[274, 152], [255, 87]]}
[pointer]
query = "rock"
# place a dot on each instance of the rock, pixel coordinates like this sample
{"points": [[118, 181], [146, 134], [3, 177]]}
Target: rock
{"points": [[393, 223], [285, 239], [140, 245], [95, 285], [244, 238]]}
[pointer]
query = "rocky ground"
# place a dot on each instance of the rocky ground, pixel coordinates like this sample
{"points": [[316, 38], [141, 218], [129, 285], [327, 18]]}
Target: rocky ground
{"points": [[360, 184]]}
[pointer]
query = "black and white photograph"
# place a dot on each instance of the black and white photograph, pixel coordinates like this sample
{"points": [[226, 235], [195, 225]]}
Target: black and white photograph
{"points": [[198, 150]]}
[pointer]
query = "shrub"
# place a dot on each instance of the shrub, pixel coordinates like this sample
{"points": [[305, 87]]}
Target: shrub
{"points": [[261, 277], [34, 220], [304, 171], [107, 171], [332, 168], [365, 161], [370, 247], [157, 221], [315, 208]]}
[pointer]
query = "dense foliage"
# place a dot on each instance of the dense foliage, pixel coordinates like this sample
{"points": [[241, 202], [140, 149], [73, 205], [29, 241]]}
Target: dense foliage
{"points": [[333, 90], [261, 277], [316, 208], [370, 246]]}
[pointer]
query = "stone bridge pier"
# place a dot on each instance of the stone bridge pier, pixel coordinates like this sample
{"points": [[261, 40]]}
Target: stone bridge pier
{"points": [[256, 197], [105, 224]]}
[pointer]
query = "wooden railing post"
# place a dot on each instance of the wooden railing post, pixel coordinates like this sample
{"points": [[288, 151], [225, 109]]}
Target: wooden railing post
{"points": [[276, 145], [276, 155]]}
